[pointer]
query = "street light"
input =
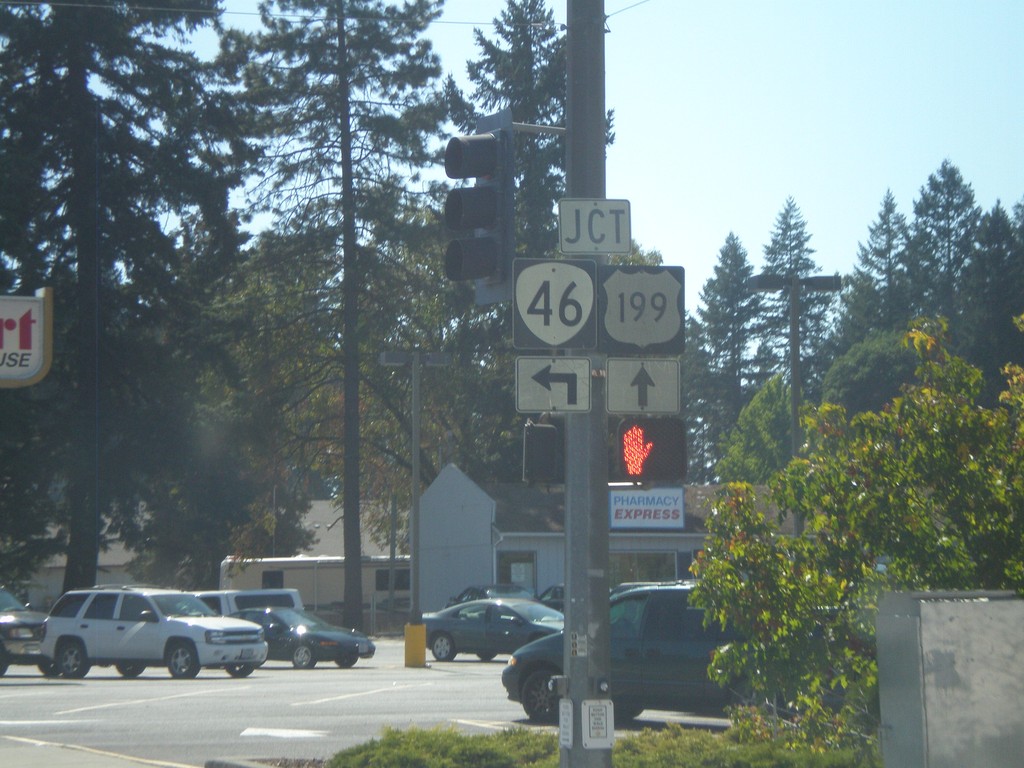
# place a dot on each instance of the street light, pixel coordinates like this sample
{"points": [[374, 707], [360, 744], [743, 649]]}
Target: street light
{"points": [[769, 282], [415, 632]]}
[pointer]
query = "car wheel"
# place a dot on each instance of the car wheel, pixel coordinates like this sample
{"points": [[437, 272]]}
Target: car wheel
{"points": [[346, 662], [486, 656], [71, 659], [182, 660], [302, 657], [539, 700], [443, 647], [239, 670], [130, 669]]}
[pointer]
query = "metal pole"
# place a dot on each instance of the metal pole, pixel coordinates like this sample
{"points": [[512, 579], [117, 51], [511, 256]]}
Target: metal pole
{"points": [[415, 614], [587, 645]]}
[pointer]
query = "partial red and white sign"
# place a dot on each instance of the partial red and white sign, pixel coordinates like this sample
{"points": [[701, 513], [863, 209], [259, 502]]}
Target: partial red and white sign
{"points": [[26, 338]]}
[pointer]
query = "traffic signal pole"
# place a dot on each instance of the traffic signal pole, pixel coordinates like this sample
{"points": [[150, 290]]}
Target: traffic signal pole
{"points": [[587, 637]]}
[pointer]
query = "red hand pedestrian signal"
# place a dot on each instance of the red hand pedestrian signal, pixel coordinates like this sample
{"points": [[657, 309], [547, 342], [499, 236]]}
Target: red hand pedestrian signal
{"points": [[649, 449], [635, 450]]}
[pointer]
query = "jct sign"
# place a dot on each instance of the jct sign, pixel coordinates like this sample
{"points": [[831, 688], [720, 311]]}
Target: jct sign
{"points": [[26, 338]]}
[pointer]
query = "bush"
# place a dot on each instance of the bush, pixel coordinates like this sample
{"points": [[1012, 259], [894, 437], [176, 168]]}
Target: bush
{"points": [[665, 748]]}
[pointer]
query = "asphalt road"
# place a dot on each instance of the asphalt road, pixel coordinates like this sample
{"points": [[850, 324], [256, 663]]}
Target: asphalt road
{"points": [[276, 712]]}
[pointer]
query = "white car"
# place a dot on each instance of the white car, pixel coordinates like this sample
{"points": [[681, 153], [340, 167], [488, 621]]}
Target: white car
{"points": [[136, 627]]}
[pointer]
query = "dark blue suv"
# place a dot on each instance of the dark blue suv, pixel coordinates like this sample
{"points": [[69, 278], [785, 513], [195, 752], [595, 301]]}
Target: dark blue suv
{"points": [[660, 652]]}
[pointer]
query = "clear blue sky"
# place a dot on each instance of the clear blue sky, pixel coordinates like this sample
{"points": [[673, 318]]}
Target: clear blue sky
{"points": [[726, 108]]}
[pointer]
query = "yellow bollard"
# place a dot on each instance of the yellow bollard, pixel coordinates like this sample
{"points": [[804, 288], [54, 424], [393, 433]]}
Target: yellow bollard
{"points": [[415, 645]]}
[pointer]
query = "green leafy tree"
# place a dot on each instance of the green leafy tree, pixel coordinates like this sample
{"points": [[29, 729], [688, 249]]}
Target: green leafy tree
{"points": [[925, 494], [870, 374], [760, 444]]}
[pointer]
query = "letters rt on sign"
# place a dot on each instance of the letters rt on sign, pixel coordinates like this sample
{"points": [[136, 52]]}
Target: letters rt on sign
{"points": [[26, 338], [594, 226]]}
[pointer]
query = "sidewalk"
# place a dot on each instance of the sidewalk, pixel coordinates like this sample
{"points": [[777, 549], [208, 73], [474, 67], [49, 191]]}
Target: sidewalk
{"points": [[16, 752]]}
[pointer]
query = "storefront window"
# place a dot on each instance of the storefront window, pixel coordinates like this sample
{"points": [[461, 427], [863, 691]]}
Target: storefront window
{"points": [[641, 566]]}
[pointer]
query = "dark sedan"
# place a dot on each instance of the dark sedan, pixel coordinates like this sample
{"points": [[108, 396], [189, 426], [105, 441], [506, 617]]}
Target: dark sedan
{"points": [[489, 627], [304, 638]]}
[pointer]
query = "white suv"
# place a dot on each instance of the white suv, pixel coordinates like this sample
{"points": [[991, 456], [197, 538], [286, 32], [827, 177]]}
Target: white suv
{"points": [[133, 628]]}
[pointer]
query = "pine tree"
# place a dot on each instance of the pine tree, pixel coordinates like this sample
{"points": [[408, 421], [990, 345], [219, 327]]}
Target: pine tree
{"points": [[994, 286], [125, 148], [727, 316], [944, 233], [876, 296], [788, 255], [350, 105], [523, 69]]}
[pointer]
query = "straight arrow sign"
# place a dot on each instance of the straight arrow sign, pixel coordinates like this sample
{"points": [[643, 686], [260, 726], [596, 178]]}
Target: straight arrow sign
{"points": [[648, 385], [552, 384], [642, 381]]}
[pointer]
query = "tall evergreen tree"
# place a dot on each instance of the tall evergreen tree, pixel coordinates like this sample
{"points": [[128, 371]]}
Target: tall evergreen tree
{"points": [[728, 315], [350, 106], [524, 69], [943, 242], [994, 284], [788, 255], [876, 295], [124, 147]]}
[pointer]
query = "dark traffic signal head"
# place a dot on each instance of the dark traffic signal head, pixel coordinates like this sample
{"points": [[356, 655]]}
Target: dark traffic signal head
{"points": [[650, 450], [482, 216], [543, 454]]}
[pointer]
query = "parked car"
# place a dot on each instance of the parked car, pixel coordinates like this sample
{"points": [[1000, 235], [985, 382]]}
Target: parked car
{"points": [[137, 627], [489, 627], [553, 597], [303, 638], [660, 651], [490, 591], [21, 630], [228, 601]]}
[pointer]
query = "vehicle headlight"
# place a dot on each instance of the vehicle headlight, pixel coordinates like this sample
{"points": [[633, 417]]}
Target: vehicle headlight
{"points": [[216, 637], [511, 661], [18, 633]]}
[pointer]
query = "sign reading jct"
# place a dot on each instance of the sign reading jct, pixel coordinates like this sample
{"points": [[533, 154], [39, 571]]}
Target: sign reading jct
{"points": [[593, 226]]}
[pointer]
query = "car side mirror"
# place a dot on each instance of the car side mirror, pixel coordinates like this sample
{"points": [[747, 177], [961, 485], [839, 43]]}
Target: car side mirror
{"points": [[148, 616]]}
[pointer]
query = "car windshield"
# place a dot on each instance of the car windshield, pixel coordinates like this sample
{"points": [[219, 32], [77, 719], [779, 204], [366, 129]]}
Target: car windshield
{"points": [[508, 590], [539, 612], [182, 605], [9, 602], [296, 618]]}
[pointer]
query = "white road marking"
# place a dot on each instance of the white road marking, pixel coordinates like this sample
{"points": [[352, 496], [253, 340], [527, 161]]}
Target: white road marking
{"points": [[360, 693], [132, 702], [284, 733]]}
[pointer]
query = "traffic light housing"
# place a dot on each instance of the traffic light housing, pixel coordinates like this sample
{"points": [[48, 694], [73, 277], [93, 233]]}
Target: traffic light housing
{"points": [[650, 450], [543, 454], [482, 217]]}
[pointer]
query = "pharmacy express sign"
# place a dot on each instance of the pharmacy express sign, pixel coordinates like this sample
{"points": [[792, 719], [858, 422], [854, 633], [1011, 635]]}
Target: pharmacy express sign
{"points": [[646, 509], [26, 338]]}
